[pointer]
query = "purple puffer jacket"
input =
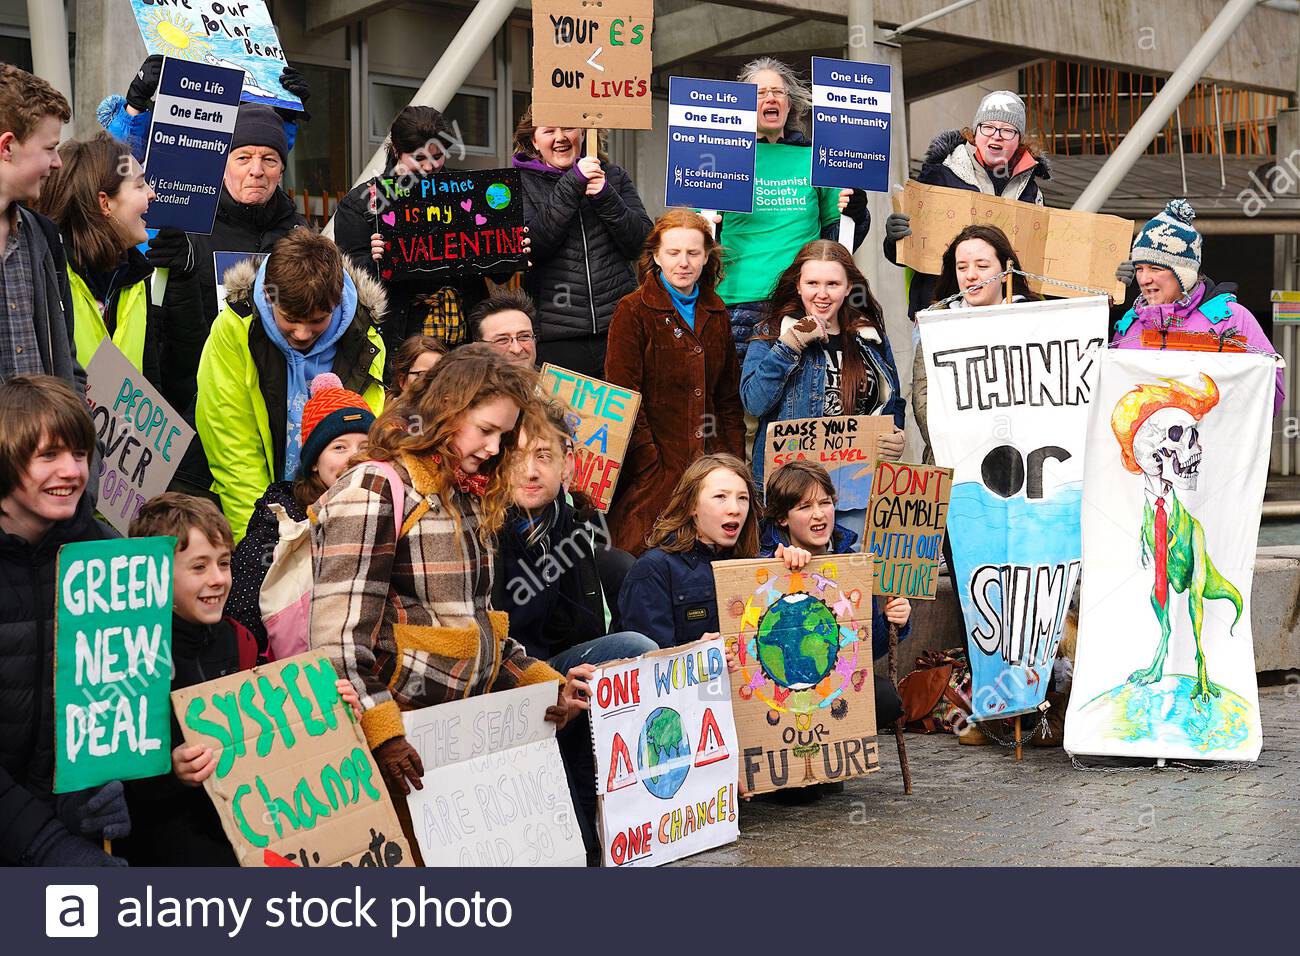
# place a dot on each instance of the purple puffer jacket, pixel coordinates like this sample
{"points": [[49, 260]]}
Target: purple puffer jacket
{"points": [[1209, 308]]}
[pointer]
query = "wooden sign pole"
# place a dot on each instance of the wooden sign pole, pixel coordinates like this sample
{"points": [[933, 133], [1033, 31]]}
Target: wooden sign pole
{"points": [[1007, 287], [1019, 752], [593, 143], [898, 724]]}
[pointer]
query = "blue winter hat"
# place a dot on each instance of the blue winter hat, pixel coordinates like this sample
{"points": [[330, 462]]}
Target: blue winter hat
{"points": [[1170, 241]]}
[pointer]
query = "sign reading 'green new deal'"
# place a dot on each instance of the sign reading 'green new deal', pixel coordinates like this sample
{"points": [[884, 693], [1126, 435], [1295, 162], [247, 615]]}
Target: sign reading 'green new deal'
{"points": [[112, 662]]}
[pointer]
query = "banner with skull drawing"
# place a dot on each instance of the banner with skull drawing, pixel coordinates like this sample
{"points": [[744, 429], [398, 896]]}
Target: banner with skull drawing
{"points": [[1178, 448], [1009, 390]]}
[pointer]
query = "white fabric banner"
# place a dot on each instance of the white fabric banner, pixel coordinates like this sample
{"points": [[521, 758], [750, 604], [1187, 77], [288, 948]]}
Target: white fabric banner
{"points": [[1009, 390], [1178, 443]]}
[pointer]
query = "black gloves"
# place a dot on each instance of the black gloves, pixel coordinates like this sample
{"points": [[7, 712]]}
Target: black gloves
{"points": [[55, 846], [898, 226], [295, 83], [140, 93], [96, 814], [171, 249]]}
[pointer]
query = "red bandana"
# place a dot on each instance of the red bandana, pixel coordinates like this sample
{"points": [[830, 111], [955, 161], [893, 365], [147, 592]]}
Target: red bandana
{"points": [[466, 483]]}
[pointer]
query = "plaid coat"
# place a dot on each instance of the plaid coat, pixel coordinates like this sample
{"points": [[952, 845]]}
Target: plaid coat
{"points": [[407, 621]]}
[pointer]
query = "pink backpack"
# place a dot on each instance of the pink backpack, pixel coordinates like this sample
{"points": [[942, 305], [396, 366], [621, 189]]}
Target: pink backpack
{"points": [[286, 590]]}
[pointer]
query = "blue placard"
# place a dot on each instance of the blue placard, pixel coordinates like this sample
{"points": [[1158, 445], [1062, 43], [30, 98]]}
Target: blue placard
{"points": [[851, 124], [185, 159], [712, 129]]}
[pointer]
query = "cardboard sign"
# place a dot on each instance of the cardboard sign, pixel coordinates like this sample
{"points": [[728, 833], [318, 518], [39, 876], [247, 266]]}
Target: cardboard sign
{"points": [[143, 438], [844, 446], [238, 36], [295, 779], [495, 792], [461, 223], [602, 419], [185, 157], [804, 700], [712, 131], [666, 755], [112, 662], [592, 63], [1082, 248], [223, 262], [851, 124], [905, 525]]}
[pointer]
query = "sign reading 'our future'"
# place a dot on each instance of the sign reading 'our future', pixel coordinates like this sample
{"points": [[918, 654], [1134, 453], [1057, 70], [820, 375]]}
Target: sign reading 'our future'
{"points": [[592, 63]]}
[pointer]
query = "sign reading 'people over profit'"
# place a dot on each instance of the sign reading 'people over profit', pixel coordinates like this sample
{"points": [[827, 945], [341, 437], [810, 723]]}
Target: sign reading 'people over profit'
{"points": [[592, 63]]}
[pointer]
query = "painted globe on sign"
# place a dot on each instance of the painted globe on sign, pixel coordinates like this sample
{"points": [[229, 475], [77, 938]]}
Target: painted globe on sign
{"points": [[663, 740], [498, 195], [798, 641], [1164, 712]]}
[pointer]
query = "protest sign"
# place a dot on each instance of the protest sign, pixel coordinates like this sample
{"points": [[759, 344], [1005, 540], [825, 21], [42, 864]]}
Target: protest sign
{"points": [[141, 436], [845, 446], [1010, 387], [495, 791], [905, 525], [223, 262], [1082, 248], [712, 131], [591, 64], [851, 122], [804, 697], [602, 419], [112, 662], [294, 778], [185, 158], [1173, 490], [461, 223], [238, 36], [677, 795]]}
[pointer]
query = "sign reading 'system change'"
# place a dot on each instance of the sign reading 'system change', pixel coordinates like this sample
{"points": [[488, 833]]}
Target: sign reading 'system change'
{"points": [[295, 783]]}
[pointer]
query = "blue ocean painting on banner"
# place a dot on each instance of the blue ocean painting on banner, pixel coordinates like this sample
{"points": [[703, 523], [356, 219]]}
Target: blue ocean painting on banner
{"points": [[237, 36], [1010, 389]]}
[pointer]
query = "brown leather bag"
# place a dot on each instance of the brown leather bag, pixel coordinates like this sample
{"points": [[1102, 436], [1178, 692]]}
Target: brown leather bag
{"points": [[923, 690]]}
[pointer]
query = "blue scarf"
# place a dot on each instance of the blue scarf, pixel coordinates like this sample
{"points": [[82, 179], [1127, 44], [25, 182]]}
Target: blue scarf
{"points": [[684, 304], [303, 366]]}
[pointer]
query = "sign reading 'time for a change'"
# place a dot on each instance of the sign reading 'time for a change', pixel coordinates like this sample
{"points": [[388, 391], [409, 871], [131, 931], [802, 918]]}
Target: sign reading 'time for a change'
{"points": [[851, 124]]}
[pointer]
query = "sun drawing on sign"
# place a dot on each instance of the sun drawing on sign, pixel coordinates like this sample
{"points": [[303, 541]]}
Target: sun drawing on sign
{"points": [[799, 645], [172, 36]]}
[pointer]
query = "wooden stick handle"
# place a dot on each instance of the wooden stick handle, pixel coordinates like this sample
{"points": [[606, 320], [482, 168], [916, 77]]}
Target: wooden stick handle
{"points": [[898, 724], [593, 143], [1007, 287]]}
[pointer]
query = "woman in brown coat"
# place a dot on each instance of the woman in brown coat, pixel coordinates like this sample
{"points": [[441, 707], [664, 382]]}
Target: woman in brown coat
{"points": [[670, 340]]}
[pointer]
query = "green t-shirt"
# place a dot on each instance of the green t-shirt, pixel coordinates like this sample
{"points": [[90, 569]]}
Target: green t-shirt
{"points": [[789, 212]]}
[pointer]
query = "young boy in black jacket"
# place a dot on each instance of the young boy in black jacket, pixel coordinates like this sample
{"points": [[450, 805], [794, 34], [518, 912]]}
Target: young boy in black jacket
{"points": [[176, 823], [46, 438]]}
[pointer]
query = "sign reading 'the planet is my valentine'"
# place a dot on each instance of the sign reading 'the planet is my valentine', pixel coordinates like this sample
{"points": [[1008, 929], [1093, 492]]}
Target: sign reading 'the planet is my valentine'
{"points": [[461, 223]]}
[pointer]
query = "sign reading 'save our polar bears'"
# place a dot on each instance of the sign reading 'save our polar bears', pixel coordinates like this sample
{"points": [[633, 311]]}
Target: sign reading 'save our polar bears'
{"points": [[185, 158], [851, 123], [712, 129], [666, 755], [112, 662]]}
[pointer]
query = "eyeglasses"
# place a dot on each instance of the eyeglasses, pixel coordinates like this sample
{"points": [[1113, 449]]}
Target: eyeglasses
{"points": [[997, 132], [773, 91], [505, 341]]}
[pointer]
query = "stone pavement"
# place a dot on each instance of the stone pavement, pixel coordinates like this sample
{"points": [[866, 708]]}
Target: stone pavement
{"points": [[975, 806]]}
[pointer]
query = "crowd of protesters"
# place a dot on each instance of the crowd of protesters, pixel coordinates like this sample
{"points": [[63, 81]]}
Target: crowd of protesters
{"points": [[303, 372]]}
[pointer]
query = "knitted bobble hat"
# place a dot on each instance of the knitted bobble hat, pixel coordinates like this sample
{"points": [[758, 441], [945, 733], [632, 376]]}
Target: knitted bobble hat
{"points": [[1170, 241], [331, 411], [1002, 106]]}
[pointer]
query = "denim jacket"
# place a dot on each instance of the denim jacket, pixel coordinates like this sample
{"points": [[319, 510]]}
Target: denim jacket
{"points": [[778, 384]]}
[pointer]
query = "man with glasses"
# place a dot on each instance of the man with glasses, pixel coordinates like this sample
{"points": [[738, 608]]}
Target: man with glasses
{"points": [[990, 157], [506, 321]]}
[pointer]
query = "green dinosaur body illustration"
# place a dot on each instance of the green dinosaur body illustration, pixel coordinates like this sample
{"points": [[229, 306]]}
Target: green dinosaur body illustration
{"points": [[1189, 569]]}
